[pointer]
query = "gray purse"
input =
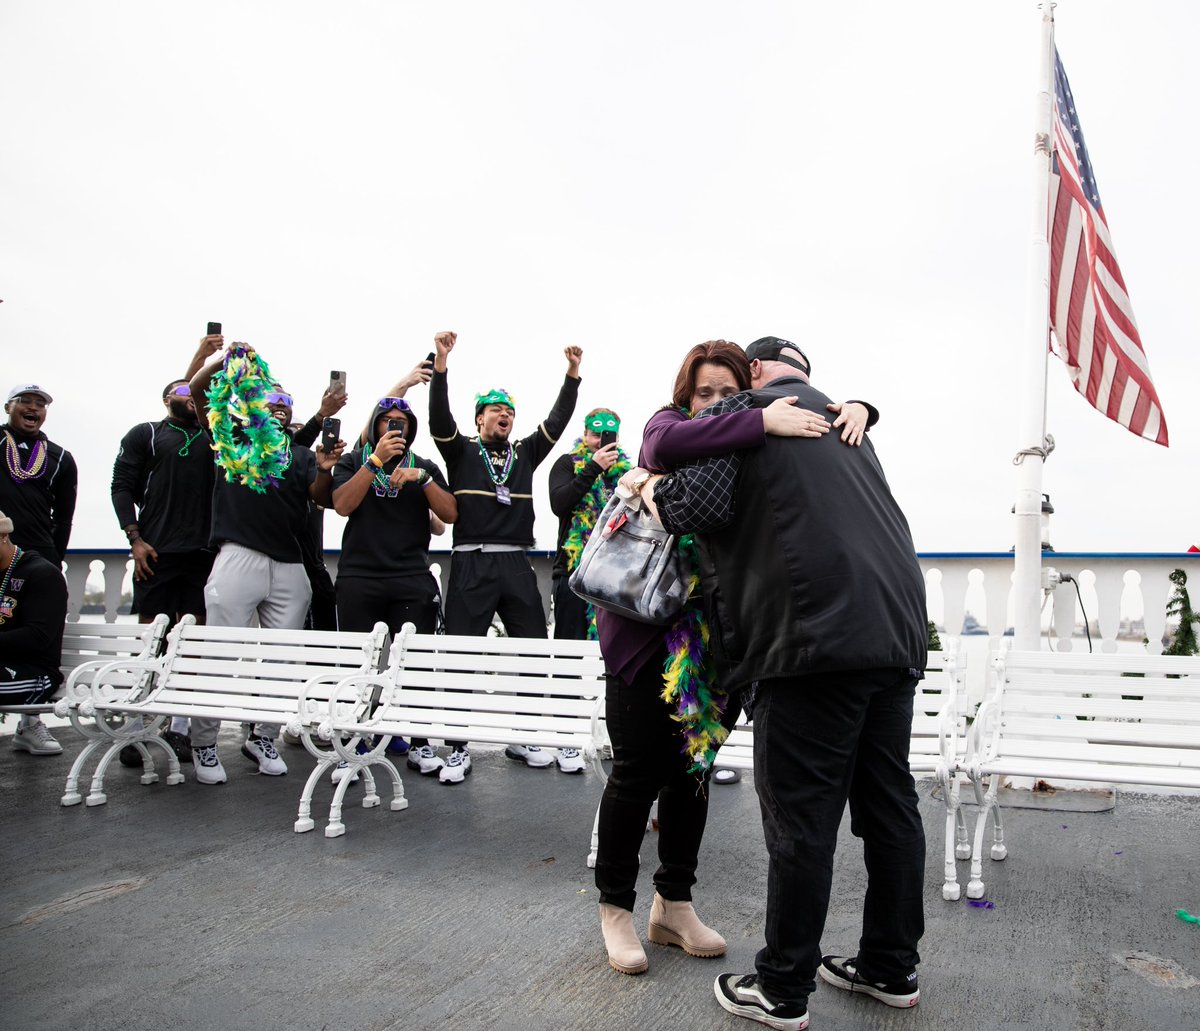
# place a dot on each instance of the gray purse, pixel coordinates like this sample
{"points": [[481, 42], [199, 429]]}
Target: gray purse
{"points": [[631, 565]]}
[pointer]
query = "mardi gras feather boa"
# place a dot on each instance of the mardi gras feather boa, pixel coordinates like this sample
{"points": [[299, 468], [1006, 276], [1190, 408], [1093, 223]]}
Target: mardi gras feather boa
{"points": [[587, 512], [690, 682], [251, 447]]}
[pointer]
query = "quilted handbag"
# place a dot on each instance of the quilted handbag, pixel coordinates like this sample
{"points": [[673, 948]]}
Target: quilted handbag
{"points": [[631, 564]]}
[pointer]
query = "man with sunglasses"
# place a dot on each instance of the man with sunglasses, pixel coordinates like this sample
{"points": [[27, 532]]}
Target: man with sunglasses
{"points": [[39, 479], [162, 484], [259, 570], [492, 480]]}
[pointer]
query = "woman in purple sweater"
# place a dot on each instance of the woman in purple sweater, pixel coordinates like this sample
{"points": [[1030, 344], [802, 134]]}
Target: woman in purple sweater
{"points": [[666, 717]]}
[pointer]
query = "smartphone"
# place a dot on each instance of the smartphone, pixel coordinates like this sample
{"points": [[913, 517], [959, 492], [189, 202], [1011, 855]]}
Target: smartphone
{"points": [[608, 437], [337, 382], [431, 357], [396, 424], [214, 329], [331, 431]]}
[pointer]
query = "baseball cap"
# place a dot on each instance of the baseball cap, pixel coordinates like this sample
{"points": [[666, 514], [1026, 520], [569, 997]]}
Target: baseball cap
{"points": [[29, 388], [766, 349]]}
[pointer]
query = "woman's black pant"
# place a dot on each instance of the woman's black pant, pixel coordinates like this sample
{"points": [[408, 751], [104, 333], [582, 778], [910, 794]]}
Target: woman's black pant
{"points": [[649, 763]]}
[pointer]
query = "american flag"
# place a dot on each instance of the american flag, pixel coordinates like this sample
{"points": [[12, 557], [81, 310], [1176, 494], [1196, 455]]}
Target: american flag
{"points": [[1090, 311]]}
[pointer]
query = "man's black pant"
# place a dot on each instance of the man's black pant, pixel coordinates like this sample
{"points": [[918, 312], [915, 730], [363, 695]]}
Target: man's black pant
{"points": [[570, 612], [818, 741]]}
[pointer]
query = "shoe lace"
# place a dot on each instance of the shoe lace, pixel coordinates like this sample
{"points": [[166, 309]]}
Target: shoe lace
{"points": [[206, 755], [268, 747], [456, 758], [39, 730], [568, 753]]}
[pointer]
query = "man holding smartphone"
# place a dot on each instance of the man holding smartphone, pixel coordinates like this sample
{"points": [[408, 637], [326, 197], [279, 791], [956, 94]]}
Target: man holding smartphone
{"points": [[491, 477], [581, 482]]}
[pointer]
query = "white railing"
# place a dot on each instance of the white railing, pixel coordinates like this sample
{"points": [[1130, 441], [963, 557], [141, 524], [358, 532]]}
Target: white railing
{"points": [[1123, 594]]}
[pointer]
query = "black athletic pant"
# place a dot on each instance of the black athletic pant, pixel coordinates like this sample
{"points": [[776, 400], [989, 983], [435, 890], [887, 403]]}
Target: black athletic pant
{"points": [[818, 741], [570, 612], [648, 763], [363, 601]]}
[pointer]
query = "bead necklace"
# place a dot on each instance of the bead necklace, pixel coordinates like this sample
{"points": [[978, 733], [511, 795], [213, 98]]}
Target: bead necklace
{"points": [[185, 450], [17, 553], [33, 468], [487, 462], [381, 480]]}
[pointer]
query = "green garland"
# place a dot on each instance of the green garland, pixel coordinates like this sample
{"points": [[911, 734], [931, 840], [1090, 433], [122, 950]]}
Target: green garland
{"points": [[251, 447], [583, 519]]}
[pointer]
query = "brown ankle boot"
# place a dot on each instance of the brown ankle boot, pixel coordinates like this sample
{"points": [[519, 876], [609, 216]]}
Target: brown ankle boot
{"points": [[676, 923], [625, 952]]}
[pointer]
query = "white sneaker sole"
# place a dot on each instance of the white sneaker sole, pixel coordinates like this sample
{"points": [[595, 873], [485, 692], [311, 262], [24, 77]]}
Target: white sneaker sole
{"points": [[21, 745]]}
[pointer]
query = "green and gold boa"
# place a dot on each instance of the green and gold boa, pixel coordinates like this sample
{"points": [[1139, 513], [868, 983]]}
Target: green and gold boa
{"points": [[251, 447], [583, 519]]}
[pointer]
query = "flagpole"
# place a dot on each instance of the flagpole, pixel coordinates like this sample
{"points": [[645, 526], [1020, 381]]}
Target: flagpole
{"points": [[1027, 563]]}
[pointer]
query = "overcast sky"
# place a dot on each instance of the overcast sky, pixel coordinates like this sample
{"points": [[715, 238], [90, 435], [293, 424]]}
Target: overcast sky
{"points": [[336, 182]]}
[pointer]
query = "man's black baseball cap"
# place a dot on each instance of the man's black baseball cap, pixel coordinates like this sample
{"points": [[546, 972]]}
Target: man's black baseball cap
{"points": [[767, 349]]}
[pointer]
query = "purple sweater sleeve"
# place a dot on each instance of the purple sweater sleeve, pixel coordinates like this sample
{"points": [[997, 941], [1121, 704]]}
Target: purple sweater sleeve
{"points": [[670, 437]]}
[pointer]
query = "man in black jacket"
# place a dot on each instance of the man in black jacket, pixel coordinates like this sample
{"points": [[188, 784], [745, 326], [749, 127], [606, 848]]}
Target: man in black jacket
{"points": [[581, 482], [491, 478], [817, 611], [39, 479], [33, 608]]}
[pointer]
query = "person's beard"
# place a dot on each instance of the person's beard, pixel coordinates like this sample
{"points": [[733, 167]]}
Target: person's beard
{"points": [[181, 411]]}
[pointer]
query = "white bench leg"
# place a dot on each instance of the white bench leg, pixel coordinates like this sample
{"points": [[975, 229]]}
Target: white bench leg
{"points": [[987, 803], [71, 795], [304, 821], [951, 889], [398, 802], [999, 850], [335, 828]]}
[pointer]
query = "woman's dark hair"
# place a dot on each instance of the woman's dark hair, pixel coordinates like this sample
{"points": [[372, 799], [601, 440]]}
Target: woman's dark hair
{"points": [[716, 352]]}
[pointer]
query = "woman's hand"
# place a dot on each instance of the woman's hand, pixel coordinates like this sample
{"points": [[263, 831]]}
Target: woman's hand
{"points": [[853, 420], [782, 419]]}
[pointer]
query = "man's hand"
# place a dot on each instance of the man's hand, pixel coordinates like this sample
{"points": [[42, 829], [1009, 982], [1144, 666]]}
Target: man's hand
{"points": [[405, 474], [210, 345], [143, 553], [332, 402], [390, 445], [853, 420], [605, 456], [326, 460], [444, 343], [574, 356], [782, 419], [421, 373]]}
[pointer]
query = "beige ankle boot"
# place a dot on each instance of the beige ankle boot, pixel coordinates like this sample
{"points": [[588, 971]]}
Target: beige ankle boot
{"points": [[625, 952], [676, 923]]}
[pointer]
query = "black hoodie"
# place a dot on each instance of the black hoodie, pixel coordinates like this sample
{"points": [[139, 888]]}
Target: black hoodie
{"points": [[388, 534]]}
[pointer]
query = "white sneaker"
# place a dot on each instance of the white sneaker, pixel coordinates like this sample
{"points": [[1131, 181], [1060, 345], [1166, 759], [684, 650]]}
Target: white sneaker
{"points": [[530, 755], [458, 765], [262, 751], [340, 771], [207, 765], [36, 740], [570, 761], [424, 760]]}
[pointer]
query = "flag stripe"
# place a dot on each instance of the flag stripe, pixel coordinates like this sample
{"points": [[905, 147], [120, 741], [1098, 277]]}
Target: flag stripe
{"points": [[1090, 311]]}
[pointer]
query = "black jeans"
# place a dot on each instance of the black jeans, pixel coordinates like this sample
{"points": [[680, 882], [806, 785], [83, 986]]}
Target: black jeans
{"points": [[818, 741], [648, 764], [570, 612]]}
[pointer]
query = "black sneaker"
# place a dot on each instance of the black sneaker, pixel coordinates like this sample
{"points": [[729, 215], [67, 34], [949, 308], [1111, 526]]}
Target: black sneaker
{"points": [[743, 996], [841, 972], [129, 756], [180, 744]]}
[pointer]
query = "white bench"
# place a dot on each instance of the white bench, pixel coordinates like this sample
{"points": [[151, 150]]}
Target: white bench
{"points": [[85, 647], [938, 741], [1081, 717], [237, 674], [498, 690]]}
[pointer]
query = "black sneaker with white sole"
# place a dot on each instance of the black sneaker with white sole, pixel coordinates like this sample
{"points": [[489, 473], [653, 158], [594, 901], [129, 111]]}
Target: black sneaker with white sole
{"points": [[842, 972], [743, 996]]}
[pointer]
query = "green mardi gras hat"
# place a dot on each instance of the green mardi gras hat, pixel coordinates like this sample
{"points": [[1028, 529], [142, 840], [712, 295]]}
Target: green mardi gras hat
{"points": [[495, 397]]}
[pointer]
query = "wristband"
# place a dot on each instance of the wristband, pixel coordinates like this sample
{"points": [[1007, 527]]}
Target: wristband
{"points": [[374, 460], [424, 479]]}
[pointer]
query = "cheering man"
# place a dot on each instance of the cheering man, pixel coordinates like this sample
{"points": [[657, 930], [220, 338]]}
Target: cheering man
{"points": [[491, 477]]}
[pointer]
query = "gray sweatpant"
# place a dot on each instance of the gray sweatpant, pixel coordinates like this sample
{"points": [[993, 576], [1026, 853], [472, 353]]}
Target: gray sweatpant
{"points": [[246, 587]]}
